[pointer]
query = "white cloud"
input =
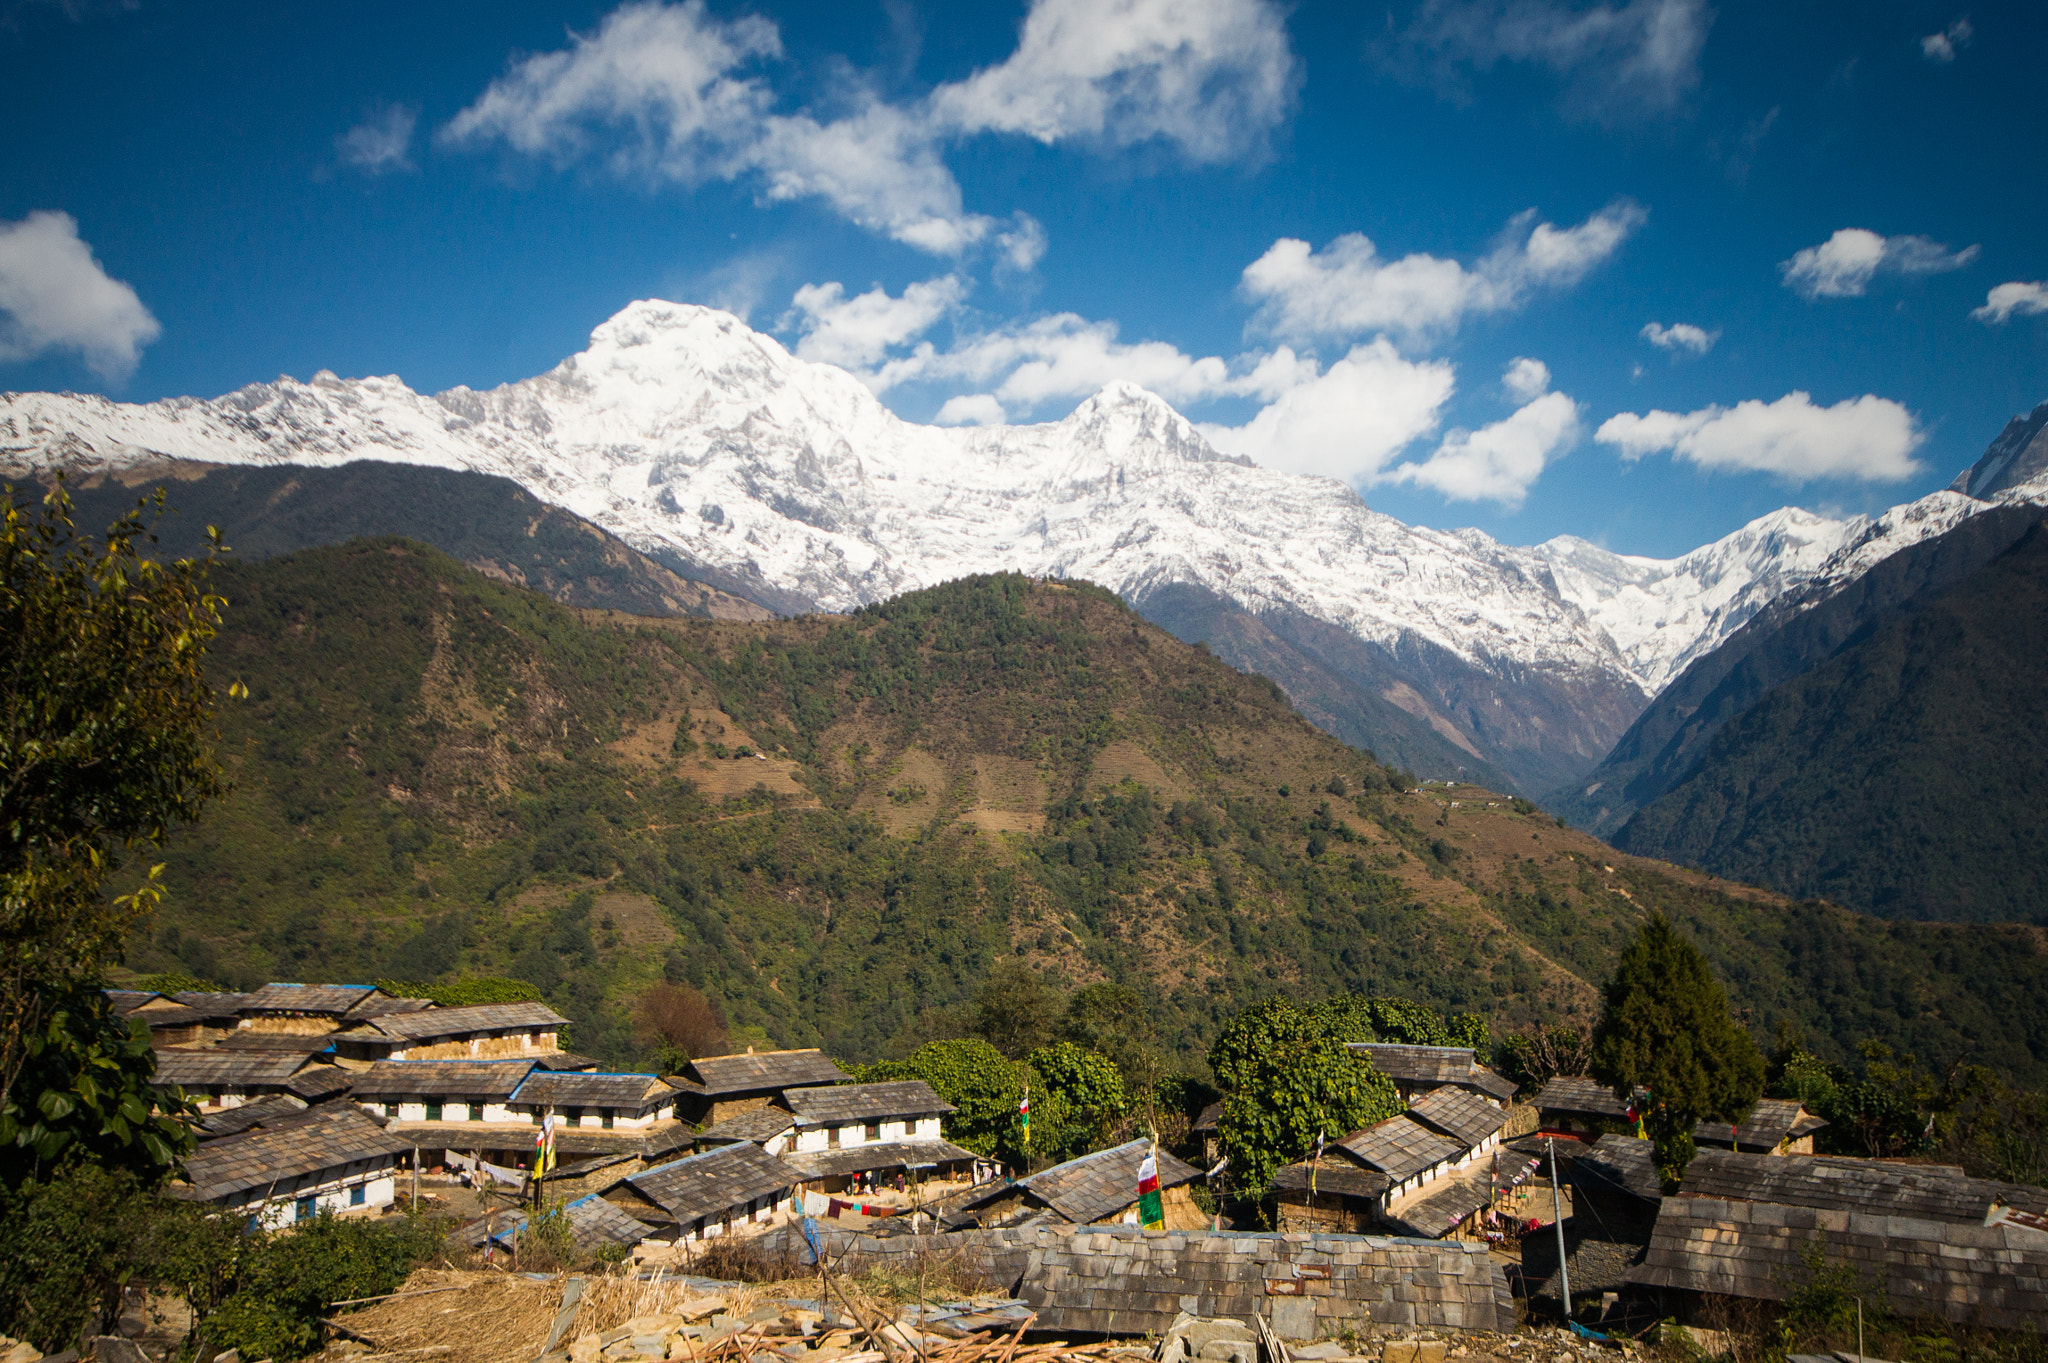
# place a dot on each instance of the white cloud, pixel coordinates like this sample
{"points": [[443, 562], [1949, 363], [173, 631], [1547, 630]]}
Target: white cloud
{"points": [[667, 93], [1348, 289], [1680, 338], [1942, 46], [55, 296], [857, 332], [1844, 264], [1620, 60], [1525, 378], [1870, 439], [1213, 77], [1500, 462], [970, 409], [2020, 296], [380, 143], [1349, 421]]}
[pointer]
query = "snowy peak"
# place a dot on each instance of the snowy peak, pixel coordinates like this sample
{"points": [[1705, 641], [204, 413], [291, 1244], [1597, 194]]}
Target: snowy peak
{"points": [[2019, 455]]}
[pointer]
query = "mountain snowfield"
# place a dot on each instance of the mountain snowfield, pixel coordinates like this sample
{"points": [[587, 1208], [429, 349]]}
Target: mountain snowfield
{"points": [[695, 438]]}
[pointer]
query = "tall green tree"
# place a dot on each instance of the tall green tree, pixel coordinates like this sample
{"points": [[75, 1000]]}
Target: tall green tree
{"points": [[105, 744], [1666, 1028], [1289, 1078], [1088, 1098], [1016, 1011], [1114, 1020]]}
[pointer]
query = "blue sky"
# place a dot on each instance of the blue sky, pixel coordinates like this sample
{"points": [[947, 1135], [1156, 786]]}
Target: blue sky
{"points": [[1417, 247]]}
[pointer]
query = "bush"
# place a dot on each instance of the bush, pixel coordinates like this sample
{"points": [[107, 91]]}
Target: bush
{"points": [[294, 1277]]}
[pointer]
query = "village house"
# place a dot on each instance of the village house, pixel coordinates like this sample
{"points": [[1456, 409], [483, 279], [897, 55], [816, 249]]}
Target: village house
{"points": [[848, 1130], [716, 1087], [295, 1165], [215, 1079], [311, 1009], [1101, 1187], [1421, 1154], [1417, 1070], [483, 1031], [720, 1191], [603, 1102], [1930, 1238], [170, 1021], [1329, 1194], [1616, 1193], [1205, 1130], [771, 1128], [1777, 1126], [1577, 1106]]}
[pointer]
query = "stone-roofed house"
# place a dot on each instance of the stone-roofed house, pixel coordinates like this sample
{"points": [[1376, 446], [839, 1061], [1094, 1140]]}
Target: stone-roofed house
{"points": [[719, 1086], [1407, 1152], [1206, 1130], [215, 1079], [294, 1166], [1330, 1194], [844, 1130], [416, 1092], [308, 1009], [771, 1128], [593, 1222], [1615, 1192], [1576, 1105], [1445, 1133], [483, 1031], [1098, 1187], [605, 1102], [715, 1192], [1466, 1117], [1417, 1070], [1117, 1280], [1935, 1240], [1778, 1126]]}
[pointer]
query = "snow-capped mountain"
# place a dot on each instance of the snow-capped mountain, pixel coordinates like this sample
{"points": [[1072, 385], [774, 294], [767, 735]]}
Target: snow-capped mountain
{"points": [[699, 440]]}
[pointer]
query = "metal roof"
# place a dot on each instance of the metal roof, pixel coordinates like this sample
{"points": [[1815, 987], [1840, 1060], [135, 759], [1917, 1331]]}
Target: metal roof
{"points": [[1463, 1116], [872, 1155], [488, 1080], [633, 1093], [435, 1023], [1578, 1094], [1400, 1147], [762, 1071], [1094, 1187], [840, 1104], [713, 1182], [313, 1142]]}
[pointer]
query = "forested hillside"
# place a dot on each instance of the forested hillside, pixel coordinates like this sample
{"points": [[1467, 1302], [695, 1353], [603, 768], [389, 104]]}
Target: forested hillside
{"points": [[1904, 776], [836, 824]]}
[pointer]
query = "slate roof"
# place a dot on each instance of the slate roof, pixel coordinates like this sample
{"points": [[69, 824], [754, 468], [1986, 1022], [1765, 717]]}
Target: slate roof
{"points": [[126, 1001], [562, 1060], [592, 1220], [1434, 1065], [1932, 1192], [1619, 1164], [214, 1004], [324, 1000], [1335, 1176], [1207, 1119], [1465, 1117], [1094, 1187], [712, 1182], [432, 1024], [321, 1139], [240, 1040], [1435, 1215], [760, 1126], [1127, 1281], [274, 1108], [316, 1082], [1580, 1095], [1995, 1276], [228, 1069], [631, 1093], [1774, 1120], [759, 1071], [488, 1080], [177, 1015], [839, 1105], [1400, 1148], [871, 1155]]}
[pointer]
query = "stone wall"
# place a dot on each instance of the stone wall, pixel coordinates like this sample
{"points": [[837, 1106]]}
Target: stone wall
{"points": [[1118, 1280]]}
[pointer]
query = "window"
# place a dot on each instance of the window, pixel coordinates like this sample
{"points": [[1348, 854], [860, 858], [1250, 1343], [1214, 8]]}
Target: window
{"points": [[607, 1119], [391, 1111], [358, 1195], [573, 1116], [832, 1138], [476, 1112], [304, 1209], [433, 1112], [874, 1131]]}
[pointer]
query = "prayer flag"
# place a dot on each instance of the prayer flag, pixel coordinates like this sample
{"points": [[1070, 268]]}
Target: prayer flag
{"points": [[1024, 1116], [1151, 1208]]}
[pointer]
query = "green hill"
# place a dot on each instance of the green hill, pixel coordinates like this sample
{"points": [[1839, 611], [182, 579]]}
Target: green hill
{"points": [[838, 824], [1904, 776]]}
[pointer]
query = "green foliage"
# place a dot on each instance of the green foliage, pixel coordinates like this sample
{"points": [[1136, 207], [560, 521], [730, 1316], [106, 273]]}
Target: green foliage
{"points": [[1354, 1017], [982, 1085], [1116, 1021], [1666, 1028], [105, 728], [464, 992], [1290, 1078], [175, 982], [84, 1093], [290, 1279], [1015, 1011], [69, 1240], [1089, 1098]]}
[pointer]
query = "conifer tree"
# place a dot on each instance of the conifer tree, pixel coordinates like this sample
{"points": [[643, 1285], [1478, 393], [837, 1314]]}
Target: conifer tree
{"points": [[1667, 1028]]}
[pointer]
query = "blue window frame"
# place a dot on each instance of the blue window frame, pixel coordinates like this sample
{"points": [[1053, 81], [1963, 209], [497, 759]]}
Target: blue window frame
{"points": [[358, 1195], [305, 1208]]}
